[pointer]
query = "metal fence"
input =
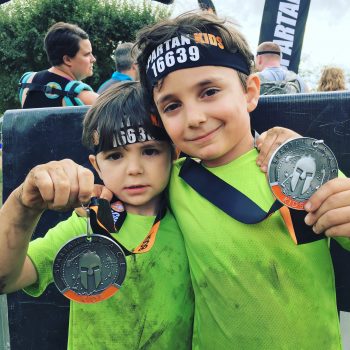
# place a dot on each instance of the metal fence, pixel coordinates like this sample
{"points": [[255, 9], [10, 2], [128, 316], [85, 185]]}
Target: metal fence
{"points": [[4, 329]]}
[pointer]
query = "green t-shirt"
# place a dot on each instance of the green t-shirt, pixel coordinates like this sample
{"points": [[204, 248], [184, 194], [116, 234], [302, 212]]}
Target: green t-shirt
{"points": [[154, 307], [254, 288]]}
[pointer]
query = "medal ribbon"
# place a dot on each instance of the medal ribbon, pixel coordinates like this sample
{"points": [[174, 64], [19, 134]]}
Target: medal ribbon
{"points": [[104, 221], [239, 206]]}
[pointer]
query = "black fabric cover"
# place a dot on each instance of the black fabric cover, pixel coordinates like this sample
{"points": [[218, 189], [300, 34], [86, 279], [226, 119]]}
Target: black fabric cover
{"points": [[31, 137], [36, 136]]}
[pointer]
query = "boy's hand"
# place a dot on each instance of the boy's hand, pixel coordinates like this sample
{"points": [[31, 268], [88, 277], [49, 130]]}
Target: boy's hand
{"points": [[57, 185], [269, 141], [100, 191], [329, 208]]}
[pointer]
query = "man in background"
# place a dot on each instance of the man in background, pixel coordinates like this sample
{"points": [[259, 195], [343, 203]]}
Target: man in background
{"points": [[274, 78], [126, 66]]}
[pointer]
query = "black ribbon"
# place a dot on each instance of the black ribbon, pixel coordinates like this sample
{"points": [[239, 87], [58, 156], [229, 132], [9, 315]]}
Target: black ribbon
{"points": [[236, 204], [103, 222]]}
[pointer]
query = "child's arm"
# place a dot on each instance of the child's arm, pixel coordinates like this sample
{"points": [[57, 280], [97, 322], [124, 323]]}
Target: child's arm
{"points": [[329, 208], [269, 141], [58, 185]]}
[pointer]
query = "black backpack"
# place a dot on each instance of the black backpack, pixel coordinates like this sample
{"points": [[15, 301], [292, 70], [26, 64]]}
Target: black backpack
{"points": [[290, 85]]}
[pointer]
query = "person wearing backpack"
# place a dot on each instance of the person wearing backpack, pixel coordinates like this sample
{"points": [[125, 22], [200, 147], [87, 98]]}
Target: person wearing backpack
{"points": [[69, 52], [274, 78]]}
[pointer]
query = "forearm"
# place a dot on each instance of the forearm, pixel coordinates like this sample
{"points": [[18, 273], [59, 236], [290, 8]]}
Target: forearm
{"points": [[17, 225]]}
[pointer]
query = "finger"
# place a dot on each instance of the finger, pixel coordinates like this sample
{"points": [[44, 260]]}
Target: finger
{"points": [[260, 140], [334, 201], [43, 182], [283, 135], [106, 194], [326, 190], [339, 231], [86, 184], [71, 170], [97, 190], [331, 219], [265, 147], [37, 180], [61, 187]]}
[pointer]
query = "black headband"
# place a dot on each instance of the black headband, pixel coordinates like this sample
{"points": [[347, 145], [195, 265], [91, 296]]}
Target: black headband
{"points": [[131, 134], [188, 51], [268, 51]]}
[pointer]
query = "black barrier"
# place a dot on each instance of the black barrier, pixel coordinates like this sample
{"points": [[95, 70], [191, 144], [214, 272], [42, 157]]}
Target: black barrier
{"points": [[37, 136], [31, 137]]}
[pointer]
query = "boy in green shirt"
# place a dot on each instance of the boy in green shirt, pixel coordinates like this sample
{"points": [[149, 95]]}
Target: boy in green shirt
{"points": [[254, 288], [154, 307]]}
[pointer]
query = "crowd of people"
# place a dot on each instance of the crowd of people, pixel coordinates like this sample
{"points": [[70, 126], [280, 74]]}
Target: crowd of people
{"points": [[69, 52], [209, 280]]}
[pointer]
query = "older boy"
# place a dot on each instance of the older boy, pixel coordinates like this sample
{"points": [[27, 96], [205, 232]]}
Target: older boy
{"points": [[254, 288]]}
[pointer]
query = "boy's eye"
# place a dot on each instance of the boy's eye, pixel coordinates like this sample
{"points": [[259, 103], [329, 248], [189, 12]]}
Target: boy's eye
{"points": [[210, 92], [114, 156], [170, 107], [151, 152]]}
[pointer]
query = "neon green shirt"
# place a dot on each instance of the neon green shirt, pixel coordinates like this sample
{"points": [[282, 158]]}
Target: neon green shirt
{"points": [[254, 288], [154, 307]]}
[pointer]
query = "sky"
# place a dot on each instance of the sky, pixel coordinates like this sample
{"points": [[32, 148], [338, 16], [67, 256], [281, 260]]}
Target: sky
{"points": [[327, 32]]}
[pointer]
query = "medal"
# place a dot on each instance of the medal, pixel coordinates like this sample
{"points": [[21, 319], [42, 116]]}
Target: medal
{"points": [[89, 268], [298, 168], [92, 267]]}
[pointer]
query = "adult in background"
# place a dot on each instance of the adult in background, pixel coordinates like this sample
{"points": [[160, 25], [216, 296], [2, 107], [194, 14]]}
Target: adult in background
{"points": [[332, 79], [274, 78], [125, 64], [69, 52]]}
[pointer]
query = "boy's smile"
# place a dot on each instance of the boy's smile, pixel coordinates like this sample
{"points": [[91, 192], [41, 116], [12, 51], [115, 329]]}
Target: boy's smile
{"points": [[206, 112], [136, 173]]}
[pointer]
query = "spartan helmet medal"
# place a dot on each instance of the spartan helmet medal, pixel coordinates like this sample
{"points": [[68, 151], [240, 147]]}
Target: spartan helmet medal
{"points": [[90, 266], [304, 171], [89, 269], [298, 168]]}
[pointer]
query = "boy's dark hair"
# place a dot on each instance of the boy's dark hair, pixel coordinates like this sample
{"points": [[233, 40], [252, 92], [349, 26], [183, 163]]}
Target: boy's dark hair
{"points": [[63, 39], [151, 37], [117, 106]]}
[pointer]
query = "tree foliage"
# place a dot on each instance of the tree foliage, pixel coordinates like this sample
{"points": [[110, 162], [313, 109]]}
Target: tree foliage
{"points": [[24, 23]]}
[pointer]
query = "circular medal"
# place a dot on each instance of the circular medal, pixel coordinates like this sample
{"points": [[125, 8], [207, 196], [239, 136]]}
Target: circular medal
{"points": [[89, 270], [298, 168]]}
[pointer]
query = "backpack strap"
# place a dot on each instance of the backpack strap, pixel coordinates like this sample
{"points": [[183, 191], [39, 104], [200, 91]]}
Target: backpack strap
{"points": [[72, 90], [24, 78]]}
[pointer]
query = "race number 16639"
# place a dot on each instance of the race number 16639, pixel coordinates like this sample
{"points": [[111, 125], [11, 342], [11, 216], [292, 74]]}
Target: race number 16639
{"points": [[180, 55]]}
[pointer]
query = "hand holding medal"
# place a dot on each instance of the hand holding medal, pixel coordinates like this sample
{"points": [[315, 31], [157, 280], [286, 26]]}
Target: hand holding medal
{"points": [[298, 168]]}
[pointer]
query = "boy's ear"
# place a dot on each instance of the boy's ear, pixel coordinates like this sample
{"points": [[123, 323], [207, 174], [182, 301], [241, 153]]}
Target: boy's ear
{"points": [[253, 92], [93, 161]]}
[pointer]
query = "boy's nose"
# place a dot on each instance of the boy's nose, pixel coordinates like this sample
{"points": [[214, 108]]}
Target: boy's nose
{"points": [[134, 167], [195, 117]]}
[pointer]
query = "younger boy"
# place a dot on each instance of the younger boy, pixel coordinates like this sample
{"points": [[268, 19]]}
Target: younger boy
{"points": [[254, 288], [154, 307]]}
